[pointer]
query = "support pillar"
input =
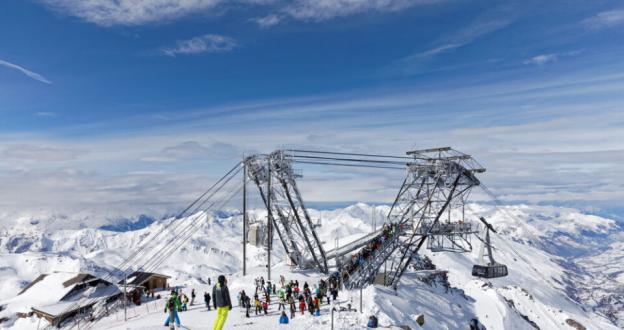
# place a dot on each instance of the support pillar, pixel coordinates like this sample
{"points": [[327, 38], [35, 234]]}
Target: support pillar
{"points": [[244, 219]]}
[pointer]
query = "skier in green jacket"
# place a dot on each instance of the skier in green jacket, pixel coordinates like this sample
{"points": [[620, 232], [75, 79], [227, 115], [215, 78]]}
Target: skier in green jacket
{"points": [[173, 306]]}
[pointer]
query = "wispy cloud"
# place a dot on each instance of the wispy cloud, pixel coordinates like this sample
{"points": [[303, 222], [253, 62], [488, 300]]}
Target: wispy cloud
{"points": [[39, 153], [46, 114], [194, 150], [605, 19], [25, 71], [209, 43], [543, 59], [129, 12], [267, 21], [463, 38], [314, 10], [318, 11]]}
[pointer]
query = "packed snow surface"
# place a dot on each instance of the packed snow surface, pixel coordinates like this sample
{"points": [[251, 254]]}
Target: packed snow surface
{"points": [[539, 244]]}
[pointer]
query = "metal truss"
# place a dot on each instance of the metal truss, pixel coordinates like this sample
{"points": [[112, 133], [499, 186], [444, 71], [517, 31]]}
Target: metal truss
{"points": [[429, 206], [274, 176]]}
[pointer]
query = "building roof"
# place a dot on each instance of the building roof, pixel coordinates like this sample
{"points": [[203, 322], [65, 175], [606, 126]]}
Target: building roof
{"points": [[48, 289], [81, 299], [138, 278]]}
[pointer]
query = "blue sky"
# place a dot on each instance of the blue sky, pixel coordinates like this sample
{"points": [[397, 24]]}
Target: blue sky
{"points": [[137, 105]]}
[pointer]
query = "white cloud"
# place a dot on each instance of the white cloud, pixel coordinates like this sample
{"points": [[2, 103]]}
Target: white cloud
{"points": [[130, 12], [27, 72], [550, 58], [480, 27], [319, 10], [209, 43], [29, 152], [464, 37], [193, 150], [605, 19], [542, 59], [135, 12], [268, 21]]}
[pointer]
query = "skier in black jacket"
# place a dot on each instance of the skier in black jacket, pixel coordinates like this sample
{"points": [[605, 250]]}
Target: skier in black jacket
{"points": [[221, 301]]}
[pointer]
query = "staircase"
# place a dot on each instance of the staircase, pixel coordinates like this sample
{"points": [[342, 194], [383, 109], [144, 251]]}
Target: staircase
{"points": [[365, 273]]}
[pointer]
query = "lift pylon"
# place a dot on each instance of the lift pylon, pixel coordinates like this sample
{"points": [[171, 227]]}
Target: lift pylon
{"points": [[286, 209], [430, 203]]}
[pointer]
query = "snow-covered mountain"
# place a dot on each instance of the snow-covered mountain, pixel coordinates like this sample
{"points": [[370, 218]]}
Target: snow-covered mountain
{"points": [[565, 266]]}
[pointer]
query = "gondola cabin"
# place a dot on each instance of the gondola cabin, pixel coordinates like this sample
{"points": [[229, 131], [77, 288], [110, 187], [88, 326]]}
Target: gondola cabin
{"points": [[491, 269]]}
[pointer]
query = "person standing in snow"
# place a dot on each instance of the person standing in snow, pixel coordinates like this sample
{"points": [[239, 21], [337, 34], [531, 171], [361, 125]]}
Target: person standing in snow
{"points": [[293, 309], [310, 305], [258, 305], [302, 304], [265, 307], [221, 302], [282, 299], [372, 322], [185, 301], [246, 303], [172, 307], [192, 297], [207, 299]]}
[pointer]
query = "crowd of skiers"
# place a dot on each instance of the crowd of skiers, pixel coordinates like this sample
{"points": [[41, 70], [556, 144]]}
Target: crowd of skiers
{"points": [[359, 258], [291, 298]]}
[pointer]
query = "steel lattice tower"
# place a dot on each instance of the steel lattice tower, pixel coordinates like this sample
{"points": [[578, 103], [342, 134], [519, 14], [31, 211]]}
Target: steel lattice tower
{"points": [[430, 205], [274, 176]]}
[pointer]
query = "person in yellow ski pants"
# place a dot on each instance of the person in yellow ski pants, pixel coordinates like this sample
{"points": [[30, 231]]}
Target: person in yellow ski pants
{"points": [[221, 301], [222, 313]]}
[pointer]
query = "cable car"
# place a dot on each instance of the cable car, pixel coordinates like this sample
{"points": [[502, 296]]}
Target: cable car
{"points": [[491, 269]]}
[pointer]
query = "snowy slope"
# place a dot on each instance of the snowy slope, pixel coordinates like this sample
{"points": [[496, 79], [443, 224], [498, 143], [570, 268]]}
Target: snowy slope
{"points": [[544, 287]]}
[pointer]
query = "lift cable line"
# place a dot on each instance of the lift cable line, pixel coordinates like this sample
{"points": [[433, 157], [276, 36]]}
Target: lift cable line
{"points": [[181, 240], [134, 259], [350, 165], [166, 251], [347, 154], [158, 250], [180, 215], [183, 236]]}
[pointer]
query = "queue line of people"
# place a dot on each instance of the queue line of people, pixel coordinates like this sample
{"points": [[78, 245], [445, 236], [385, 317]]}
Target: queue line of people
{"points": [[362, 256]]}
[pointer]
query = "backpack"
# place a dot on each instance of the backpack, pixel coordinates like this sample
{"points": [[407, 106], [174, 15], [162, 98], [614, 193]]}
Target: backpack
{"points": [[171, 303]]}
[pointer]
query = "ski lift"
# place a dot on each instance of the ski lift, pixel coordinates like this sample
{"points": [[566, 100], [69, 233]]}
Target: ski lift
{"points": [[492, 269]]}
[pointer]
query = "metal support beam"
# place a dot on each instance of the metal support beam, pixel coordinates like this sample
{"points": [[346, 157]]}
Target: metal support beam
{"points": [[416, 152], [244, 219]]}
